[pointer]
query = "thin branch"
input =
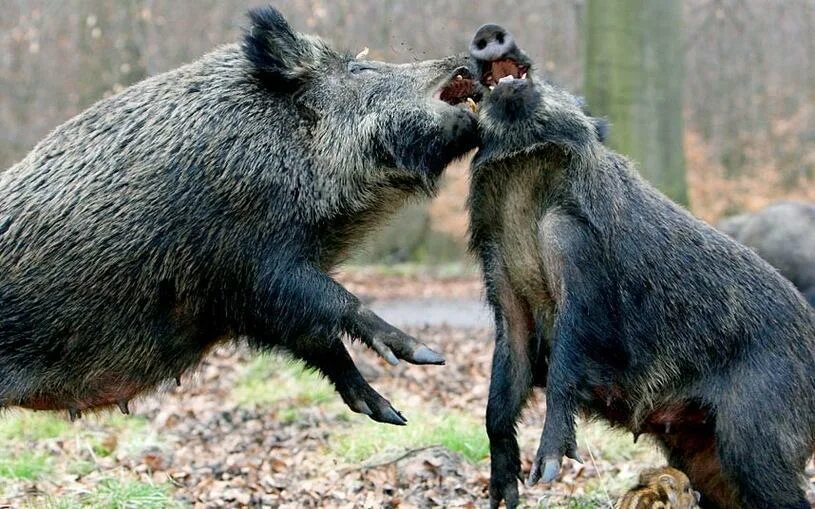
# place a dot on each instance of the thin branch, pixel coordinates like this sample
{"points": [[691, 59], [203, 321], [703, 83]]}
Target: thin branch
{"points": [[603, 480], [370, 466]]}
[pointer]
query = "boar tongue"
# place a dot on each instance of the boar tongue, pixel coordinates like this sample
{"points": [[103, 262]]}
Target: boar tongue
{"points": [[457, 91], [501, 68]]}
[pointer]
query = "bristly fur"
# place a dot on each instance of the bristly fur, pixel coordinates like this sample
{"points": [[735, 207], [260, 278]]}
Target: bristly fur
{"points": [[209, 203], [626, 307]]}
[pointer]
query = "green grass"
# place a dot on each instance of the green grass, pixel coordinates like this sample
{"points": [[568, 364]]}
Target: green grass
{"points": [[80, 467], [458, 433], [289, 415], [25, 425], [117, 421], [37, 426], [117, 494], [114, 494], [131, 433], [19, 461], [26, 465], [93, 430], [269, 379], [101, 449]]}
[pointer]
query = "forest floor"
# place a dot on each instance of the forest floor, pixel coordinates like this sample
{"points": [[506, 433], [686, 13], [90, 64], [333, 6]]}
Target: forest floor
{"points": [[259, 431]]}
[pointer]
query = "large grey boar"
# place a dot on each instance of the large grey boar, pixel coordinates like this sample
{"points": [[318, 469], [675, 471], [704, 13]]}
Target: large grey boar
{"points": [[784, 235], [627, 308], [209, 203]]}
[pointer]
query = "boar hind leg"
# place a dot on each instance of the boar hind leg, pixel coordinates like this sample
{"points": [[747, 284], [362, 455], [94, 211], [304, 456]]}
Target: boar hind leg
{"points": [[745, 459], [734, 475], [763, 437], [762, 470], [332, 360], [510, 387]]}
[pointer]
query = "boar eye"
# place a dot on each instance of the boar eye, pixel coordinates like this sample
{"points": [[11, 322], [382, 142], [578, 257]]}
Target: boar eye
{"points": [[360, 67]]}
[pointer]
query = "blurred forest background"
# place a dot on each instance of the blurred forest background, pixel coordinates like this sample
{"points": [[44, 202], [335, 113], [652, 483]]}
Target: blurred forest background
{"points": [[721, 93], [715, 99]]}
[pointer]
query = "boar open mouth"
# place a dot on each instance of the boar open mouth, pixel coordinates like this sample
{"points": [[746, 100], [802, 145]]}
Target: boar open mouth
{"points": [[501, 71], [461, 90]]}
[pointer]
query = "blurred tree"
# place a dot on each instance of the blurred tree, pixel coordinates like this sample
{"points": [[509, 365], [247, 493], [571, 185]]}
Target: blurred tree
{"points": [[633, 75]]}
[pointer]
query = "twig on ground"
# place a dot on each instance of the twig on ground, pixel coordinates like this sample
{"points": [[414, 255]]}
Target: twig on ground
{"points": [[600, 473], [370, 466]]}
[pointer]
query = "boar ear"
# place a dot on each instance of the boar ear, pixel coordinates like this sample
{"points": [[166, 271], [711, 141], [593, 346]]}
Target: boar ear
{"points": [[280, 54], [602, 127], [810, 296]]}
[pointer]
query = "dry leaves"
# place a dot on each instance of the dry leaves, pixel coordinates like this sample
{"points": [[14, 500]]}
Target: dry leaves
{"points": [[217, 453]]}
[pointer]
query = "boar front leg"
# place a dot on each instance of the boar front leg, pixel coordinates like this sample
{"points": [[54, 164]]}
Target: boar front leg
{"points": [[387, 340], [578, 279], [297, 300], [558, 437]]}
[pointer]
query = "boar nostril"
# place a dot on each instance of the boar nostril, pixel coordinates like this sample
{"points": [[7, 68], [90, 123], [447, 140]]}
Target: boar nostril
{"points": [[500, 37], [481, 44]]}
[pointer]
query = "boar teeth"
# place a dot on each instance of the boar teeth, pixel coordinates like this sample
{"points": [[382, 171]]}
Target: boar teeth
{"points": [[492, 87], [459, 77], [523, 76], [506, 79], [472, 105]]}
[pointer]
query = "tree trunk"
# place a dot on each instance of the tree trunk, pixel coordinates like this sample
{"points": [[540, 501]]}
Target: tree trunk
{"points": [[634, 69]]}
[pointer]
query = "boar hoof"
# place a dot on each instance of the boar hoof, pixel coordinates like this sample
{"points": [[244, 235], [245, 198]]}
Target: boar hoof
{"points": [[424, 355], [390, 416], [362, 398], [391, 343], [551, 468]]}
